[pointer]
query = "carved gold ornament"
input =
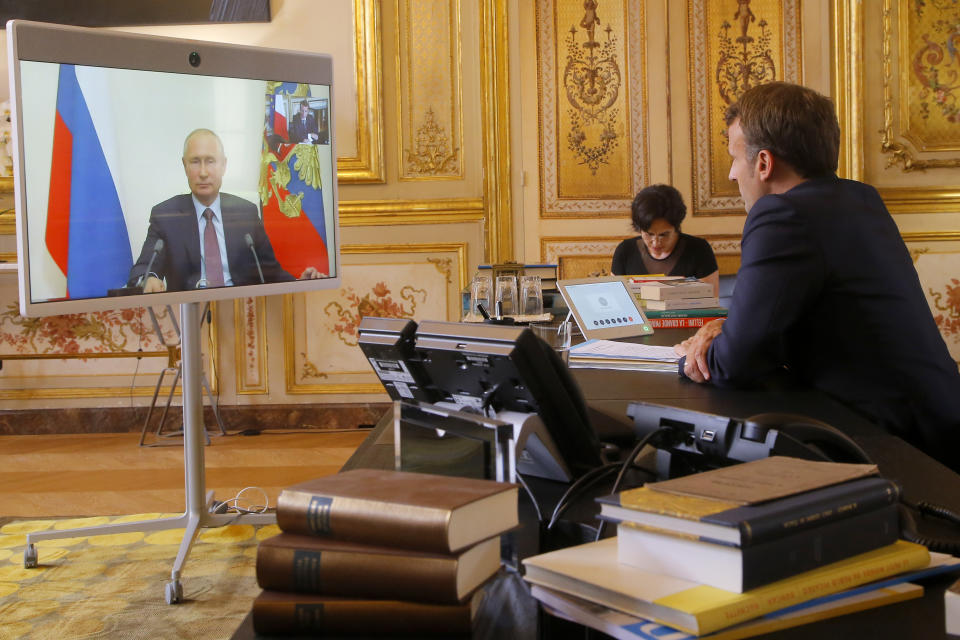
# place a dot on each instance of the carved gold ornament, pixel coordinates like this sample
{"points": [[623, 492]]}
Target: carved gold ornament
{"points": [[432, 154], [592, 82]]}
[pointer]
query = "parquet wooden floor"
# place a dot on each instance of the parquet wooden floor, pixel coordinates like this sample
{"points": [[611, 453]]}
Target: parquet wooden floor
{"points": [[108, 474]]}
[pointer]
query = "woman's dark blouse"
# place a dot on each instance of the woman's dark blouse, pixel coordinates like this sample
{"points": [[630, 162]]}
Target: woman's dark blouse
{"points": [[695, 259]]}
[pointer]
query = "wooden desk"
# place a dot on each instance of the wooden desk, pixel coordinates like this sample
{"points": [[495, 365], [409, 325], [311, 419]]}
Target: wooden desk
{"points": [[608, 393]]}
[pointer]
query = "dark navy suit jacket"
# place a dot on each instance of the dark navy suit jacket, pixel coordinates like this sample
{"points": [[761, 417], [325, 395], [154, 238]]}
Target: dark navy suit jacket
{"points": [[175, 221], [827, 289]]}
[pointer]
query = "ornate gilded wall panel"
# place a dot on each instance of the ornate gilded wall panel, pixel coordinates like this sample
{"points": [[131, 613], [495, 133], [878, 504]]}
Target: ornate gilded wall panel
{"points": [[367, 165], [593, 106], [925, 87], [103, 354], [419, 281], [937, 258], [429, 98], [900, 126], [250, 346], [733, 45]]}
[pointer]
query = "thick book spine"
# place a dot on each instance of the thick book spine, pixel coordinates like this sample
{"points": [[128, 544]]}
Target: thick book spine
{"points": [[808, 510], [846, 574], [303, 565], [759, 564], [681, 323], [364, 521], [275, 613]]}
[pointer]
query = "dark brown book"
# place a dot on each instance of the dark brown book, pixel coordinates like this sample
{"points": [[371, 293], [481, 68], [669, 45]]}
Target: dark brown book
{"points": [[398, 509], [280, 613], [309, 564]]}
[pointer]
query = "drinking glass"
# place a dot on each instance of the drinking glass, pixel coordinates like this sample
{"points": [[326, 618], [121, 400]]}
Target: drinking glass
{"points": [[506, 295], [481, 292], [531, 296], [555, 335]]}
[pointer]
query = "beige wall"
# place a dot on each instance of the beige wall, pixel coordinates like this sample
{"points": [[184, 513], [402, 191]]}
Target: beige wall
{"points": [[416, 224]]}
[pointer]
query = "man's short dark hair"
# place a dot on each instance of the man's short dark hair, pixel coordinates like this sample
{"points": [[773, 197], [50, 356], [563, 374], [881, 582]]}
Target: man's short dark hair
{"points": [[657, 201], [794, 123]]}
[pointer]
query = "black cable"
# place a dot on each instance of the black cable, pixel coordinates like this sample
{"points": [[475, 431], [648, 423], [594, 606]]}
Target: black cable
{"points": [[533, 499], [582, 483], [908, 527], [628, 463]]}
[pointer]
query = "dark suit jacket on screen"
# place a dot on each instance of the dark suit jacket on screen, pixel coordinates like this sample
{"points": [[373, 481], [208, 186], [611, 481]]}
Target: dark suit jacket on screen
{"points": [[175, 221], [298, 130], [827, 288]]}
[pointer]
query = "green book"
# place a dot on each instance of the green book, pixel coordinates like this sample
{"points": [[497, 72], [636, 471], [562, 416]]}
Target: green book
{"points": [[710, 312]]}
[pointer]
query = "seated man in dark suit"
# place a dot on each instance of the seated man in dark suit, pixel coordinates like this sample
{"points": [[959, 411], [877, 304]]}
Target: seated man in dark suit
{"points": [[210, 239], [303, 127], [826, 288]]}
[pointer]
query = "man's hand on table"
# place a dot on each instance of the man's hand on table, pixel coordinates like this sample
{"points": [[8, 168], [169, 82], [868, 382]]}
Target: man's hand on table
{"points": [[695, 349]]}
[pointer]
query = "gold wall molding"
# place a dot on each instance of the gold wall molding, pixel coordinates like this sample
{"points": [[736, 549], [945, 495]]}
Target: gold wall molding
{"points": [[850, 81], [931, 236], [901, 154], [733, 45], [429, 97], [367, 166], [453, 270], [847, 50], [496, 129], [8, 222], [365, 213], [593, 140], [250, 345]]}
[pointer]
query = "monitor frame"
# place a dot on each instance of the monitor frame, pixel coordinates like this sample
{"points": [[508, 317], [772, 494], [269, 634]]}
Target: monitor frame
{"points": [[641, 327], [40, 42]]}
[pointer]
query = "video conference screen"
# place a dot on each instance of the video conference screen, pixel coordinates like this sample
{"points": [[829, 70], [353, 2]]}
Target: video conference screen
{"points": [[138, 181]]}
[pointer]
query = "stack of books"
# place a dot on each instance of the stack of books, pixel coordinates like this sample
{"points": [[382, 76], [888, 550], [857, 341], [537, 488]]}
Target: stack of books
{"points": [[676, 303], [722, 548], [372, 551]]}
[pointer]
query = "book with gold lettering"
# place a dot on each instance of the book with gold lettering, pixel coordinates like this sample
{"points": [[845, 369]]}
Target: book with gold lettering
{"points": [[732, 521], [311, 615], [399, 509], [311, 564], [592, 572], [727, 566]]}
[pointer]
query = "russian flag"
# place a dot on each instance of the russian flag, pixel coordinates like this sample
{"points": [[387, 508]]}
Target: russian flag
{"points": [[86, 233], [293, 214], [280, 117]]}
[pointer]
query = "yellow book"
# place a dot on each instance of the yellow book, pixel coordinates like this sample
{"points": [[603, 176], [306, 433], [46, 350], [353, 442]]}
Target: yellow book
{"points": [[591, 572]]}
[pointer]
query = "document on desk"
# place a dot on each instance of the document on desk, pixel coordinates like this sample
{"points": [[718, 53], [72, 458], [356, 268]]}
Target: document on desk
{"points": [[623, 351]]}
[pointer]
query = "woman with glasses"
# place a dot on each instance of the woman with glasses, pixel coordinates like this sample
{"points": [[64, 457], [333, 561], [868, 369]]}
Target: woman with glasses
{"points": [[661, 248]]}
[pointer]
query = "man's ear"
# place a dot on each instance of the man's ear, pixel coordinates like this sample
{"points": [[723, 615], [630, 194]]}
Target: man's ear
{"points": [[763, 164]]}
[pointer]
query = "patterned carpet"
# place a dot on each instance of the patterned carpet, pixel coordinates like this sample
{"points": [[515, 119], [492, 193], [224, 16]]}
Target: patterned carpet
{"points": [[112, 586]]}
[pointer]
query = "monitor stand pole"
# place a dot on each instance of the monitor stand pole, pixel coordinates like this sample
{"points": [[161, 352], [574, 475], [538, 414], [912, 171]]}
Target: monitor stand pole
{"points": [[198, 501]]}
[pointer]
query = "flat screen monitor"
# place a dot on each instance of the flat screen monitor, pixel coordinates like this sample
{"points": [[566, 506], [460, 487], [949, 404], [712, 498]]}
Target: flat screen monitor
{"points": [[155, 170], [604, 308]]}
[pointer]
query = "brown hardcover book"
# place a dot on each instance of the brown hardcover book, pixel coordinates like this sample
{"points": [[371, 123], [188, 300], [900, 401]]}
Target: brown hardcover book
{"points": [[309, 564], [398, 509], [280, 613]]}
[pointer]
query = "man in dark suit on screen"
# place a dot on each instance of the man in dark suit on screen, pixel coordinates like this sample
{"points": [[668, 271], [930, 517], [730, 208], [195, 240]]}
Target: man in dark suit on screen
{"points": [[206, 238], [826, 290], [303, 127]]}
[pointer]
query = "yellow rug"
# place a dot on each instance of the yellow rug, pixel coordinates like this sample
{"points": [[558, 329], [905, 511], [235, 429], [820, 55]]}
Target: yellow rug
{"points": [[112, 586]]}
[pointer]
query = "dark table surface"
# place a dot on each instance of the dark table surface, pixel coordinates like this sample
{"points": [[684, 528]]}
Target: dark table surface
{"points": [[609, 392]]}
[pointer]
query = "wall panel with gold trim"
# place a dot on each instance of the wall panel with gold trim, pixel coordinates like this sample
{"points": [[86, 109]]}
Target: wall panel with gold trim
{"points": [[429, 96], [733, 45], [593, 116], [937, 258], [418, 281]]}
